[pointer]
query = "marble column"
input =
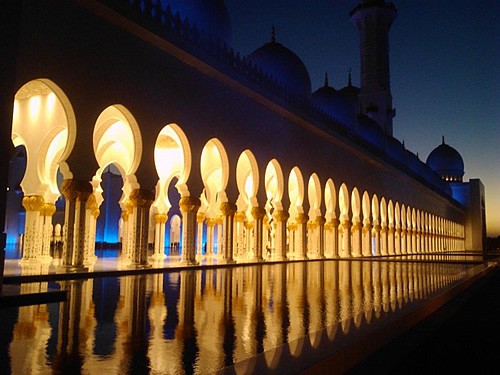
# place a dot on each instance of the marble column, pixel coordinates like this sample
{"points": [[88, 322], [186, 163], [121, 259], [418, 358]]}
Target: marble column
{"points": [[356, 239], [320, 223], [200, 218], [125, 230], [345, 232], [159, 245], [335, 237], [140, 201], [383, 243], [189, 208], [46, 214], [258, 216], [239, 235], [301, 236], [391, 241], [366, 248], [91, 215], [77, 193], [228, 210], [280, 218], [210, 236], [33, 228]]}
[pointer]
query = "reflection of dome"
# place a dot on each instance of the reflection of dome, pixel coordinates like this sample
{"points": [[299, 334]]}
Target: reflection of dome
{"points": [[447, 162], [210, 16], [284, 66], [335, 104]]}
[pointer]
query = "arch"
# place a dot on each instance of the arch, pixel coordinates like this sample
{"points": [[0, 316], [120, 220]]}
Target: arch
{"points": [[366, 207], [44, 123], [356, 205], [314, 196], [117, 141], [390, 213], [172, 157], [214, 174], [247, 180], [274, 184], [295, 192], [344, 202], [330, 200]]}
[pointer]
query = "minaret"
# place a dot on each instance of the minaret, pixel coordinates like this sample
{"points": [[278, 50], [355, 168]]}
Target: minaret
{"points": [[373, 19]]}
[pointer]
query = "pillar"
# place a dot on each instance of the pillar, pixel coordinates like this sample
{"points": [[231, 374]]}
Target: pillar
{"points": [[124, 250], [219, 220], [33, 227], [91, 215], [140, 201], [226, 242], [345, 233], [200, 218], [76, 193], [356, 239], [391, 240], [301, 236], [189, 207], [159, 245], [239, 235], [210, 221], [381, 246], [46, 214], [280, 218], [249, 239], [258, 216], [366, 248], [320, 223], [335, 237]]}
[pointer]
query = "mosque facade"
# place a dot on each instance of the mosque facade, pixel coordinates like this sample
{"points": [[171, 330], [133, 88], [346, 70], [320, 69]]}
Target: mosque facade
{"points": [[134, 122]]}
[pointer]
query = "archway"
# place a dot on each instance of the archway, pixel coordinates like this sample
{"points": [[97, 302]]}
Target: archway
{"points": [[345, 223], [332, 222], [297, 223], [383, 227], [214, 174], [44, 124], [172, 156], [117, 142], [275, 221], [247, 180], [367, 248], [356, 223], [316, 220]]}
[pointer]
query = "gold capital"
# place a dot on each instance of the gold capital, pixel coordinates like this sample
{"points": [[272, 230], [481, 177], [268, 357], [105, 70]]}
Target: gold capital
{"points": [[258, 213], [240, 216], [33, 202], [189, 204], [320, 220], [301, 218], [228, 209], [280, 215], [48, 209], [161, 218], [200, 217], [141, 198]]}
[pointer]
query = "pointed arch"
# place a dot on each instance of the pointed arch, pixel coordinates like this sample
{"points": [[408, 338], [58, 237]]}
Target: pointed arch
{"points": [[314, 196], [247, 180], [296, 192]]}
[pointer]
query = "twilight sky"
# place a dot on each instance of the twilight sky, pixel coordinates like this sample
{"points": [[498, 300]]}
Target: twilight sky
{"points": [[444, 69]]}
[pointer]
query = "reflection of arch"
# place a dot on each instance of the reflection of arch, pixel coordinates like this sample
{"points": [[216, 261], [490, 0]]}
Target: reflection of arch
{"points": [[295, 192], [214, 174], [247, 180]]}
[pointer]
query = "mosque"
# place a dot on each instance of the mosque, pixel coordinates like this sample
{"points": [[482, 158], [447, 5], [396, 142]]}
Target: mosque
{"points": [[134, 124]]}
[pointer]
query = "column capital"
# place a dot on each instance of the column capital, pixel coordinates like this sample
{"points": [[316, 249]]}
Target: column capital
{"points": [[73, 189], [228, 208], [249, 224], [368, 227], [200, 217], [280, 215], [219, 220], [258, 213], [48, 209], [189, 204], [292, 226], [240, 217], [124, 215], [301, 218], [320, 220], [33, 202], [141, 198], [161, 218], [210, 221]]}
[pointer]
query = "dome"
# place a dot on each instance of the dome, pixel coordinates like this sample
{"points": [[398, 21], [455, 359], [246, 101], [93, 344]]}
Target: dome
{"points": [[447, 162], [334, 104], [371, 132], [284, 66], [210, 16]]}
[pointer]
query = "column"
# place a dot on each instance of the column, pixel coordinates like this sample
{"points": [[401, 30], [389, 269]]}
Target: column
{"points": [[228, 210], [345, 234], [335, 237], [159, 245], [219, 220], [46, 214], [258, 216], [141, 201], [366, 248], [301, 236], [311, 239], [77, 193], [91, 214], [381, 240], [200, 218], [390, 240], [33, 230], [239, 235], [124, 250], [356, 239], [320, 222], [189, 208], [328, 239], [280, 218], [210, 236], [249, 239]]}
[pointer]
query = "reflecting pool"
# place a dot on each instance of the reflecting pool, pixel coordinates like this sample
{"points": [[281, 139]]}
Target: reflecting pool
{"points": [[248, 319]]}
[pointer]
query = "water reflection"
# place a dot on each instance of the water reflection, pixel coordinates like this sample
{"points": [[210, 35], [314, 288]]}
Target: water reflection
{"points": [[253, 318]]}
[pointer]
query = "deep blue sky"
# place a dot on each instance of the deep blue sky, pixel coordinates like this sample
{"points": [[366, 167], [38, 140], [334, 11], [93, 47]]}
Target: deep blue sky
{"points": [[444, 69]]}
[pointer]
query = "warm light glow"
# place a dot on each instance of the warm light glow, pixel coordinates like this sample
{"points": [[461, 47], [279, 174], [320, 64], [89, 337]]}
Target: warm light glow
{"points": [[34, 106]]}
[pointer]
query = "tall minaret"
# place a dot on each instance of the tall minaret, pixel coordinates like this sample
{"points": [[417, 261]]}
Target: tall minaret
{"points": [[373, 19]]}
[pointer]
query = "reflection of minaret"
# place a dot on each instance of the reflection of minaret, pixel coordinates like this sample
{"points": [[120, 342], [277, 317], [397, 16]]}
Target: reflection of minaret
{"points": [[373, 19]]}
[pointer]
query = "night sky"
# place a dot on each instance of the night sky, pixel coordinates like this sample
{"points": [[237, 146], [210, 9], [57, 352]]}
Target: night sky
{"points": [[444, 69]]}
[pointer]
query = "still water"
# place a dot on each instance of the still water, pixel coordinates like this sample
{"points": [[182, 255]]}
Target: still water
{"points": [[249, 319]]}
